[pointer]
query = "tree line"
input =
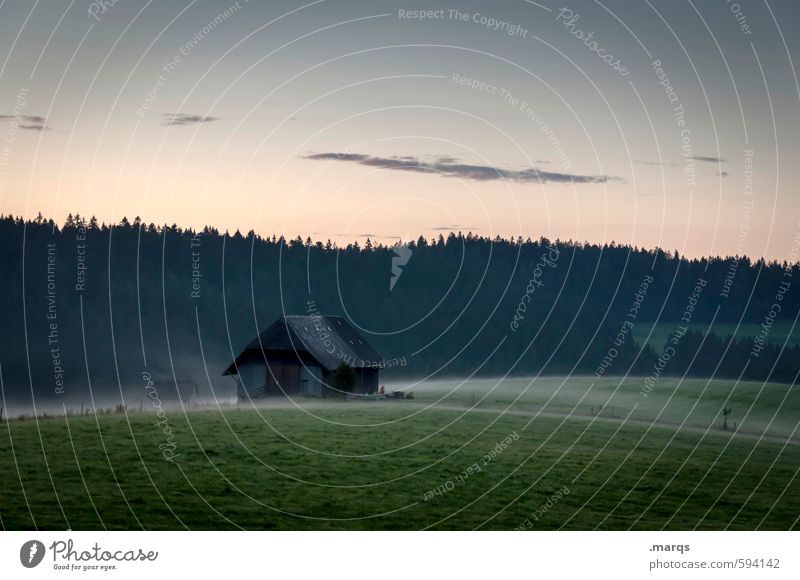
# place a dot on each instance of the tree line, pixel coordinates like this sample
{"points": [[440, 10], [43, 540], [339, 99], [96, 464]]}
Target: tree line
{"points": [[96, 305]]}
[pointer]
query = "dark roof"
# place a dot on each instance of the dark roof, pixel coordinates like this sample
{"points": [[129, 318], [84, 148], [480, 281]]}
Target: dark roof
{"points": [[330, 340]]}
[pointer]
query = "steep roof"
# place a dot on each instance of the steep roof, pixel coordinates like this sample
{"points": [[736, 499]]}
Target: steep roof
{"points": [[330, 340]]}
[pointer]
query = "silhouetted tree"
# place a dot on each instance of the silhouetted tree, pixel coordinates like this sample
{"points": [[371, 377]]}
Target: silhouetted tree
{"points": [[343, 378]]}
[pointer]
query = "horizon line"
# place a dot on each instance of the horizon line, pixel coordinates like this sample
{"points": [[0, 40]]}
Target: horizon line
{"points": [[368, 237]]}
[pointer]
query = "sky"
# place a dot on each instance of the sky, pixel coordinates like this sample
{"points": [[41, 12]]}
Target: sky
{"points": [[655, 123]]}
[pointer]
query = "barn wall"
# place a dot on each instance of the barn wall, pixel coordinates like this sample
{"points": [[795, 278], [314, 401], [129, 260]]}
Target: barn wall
{"points": [[311, 381], [289, 373], [294, 374], [367, 381], [252, 379], [283, 378]]}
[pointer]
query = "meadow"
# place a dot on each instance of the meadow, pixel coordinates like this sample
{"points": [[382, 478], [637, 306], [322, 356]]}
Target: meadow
{"points": [[551, 453]]}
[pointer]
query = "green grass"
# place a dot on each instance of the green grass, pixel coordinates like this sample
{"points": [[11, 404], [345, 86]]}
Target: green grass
{"points": [[360, 465], [780, 332]]}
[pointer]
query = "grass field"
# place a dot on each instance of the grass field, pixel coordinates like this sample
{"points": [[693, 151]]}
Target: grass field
{"points": [[780, 333], [618, 459]]}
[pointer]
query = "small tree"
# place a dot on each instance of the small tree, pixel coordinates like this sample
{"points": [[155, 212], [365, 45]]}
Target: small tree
{"points": [[725, 412], [343, 379]]}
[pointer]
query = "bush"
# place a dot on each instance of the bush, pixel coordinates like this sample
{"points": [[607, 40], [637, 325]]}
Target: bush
{"points": [[343, 379]]}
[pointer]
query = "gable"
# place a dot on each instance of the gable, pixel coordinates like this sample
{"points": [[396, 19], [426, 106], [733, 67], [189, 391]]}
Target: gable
{"points": [[330, 340]]}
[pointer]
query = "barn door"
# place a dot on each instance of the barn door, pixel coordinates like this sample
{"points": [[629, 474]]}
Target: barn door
{"points": [[310, 381], [283, 379]]}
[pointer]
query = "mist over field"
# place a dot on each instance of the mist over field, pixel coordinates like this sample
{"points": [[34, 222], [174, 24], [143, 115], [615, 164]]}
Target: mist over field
{"points": [[553, 453], [94, 307]]}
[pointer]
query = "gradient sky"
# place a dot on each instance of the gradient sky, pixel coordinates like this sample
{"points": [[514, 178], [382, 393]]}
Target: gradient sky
{"points": [[242, 130]]}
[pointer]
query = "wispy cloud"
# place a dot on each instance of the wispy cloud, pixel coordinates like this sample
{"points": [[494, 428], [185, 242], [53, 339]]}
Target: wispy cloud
{"points": [[708, 159], [453, 228], [349, 234], [659, 163], [703, 158], [29, 122], [447, 168], [171, 119]]}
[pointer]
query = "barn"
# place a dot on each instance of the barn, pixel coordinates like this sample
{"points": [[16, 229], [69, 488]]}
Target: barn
{"points": [[295, 356]]}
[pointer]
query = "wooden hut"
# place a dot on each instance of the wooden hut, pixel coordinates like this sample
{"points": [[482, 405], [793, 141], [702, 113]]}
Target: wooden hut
{"points": [[295, 356]]}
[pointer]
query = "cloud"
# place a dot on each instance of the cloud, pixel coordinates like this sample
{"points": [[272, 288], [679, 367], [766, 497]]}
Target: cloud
{"points": [[29, 122], [348, 234], [708, 159], [704, 158], [171, 119], [722, 174], [445, 168], [660, 163]]}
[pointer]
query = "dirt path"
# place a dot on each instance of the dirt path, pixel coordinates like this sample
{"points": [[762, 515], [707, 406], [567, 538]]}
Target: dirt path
{"points": [[694, 429]]}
